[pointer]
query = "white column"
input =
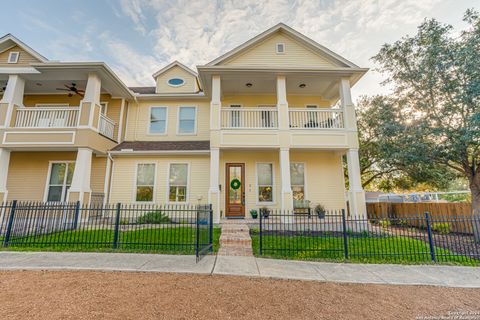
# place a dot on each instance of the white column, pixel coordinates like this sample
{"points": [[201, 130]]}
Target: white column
{"points": [[347, 104], [214, 191], [93, 89], [4, 165], [13, 96], [282, 103], [80, 187], [286, 191], [215, 104], [356, 194], [90, 104]]}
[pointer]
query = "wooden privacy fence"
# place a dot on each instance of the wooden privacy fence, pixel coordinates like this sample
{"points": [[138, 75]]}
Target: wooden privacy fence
{"points": [[455, 212]]}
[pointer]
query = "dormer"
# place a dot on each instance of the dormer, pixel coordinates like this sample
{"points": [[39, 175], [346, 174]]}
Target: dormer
{"points": [[14, 53], [176, 78]]}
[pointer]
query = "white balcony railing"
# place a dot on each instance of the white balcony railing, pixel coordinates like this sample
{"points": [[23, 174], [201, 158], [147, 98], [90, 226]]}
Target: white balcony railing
{"points": [[316, 119], [249, 118], [49, 117], [106, 126]]}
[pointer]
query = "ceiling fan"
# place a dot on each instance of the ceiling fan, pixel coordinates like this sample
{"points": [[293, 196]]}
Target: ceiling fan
{"points": [[72, 89]]}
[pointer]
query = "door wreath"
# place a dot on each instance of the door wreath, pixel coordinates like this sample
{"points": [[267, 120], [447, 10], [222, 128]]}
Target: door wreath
{"points": [[235, 184]]}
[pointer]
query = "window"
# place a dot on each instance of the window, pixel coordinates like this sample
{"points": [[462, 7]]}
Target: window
{"points": [[158, 120], [176, 82], [178, 182], [61, 175], [103, 108], [297, 177], [186, 120], [13, 57], [145, 182], [265, 182], [280, 47]]}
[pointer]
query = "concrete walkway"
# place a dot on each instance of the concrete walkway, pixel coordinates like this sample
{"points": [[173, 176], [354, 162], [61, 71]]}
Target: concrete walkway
{"points": [[467, 277]]}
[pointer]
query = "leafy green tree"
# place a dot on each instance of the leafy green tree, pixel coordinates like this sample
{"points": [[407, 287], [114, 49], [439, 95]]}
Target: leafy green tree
{"points": [[435, 76]]}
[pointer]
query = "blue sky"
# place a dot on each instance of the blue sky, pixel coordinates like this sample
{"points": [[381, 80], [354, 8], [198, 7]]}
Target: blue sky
{"points": [[138, 37]]}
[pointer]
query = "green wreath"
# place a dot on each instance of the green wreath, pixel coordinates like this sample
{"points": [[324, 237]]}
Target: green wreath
{"points": [[235, 184]]}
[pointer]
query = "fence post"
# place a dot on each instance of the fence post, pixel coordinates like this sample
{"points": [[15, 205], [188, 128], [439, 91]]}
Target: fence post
{"points": [[345, 235], [117, 226], [77, 215], [261, 246], [210, 240], [10, 224], [430, 239], [197, 234]]}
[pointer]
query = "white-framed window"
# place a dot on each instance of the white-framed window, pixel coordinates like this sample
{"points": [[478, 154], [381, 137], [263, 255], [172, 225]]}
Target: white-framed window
{"points": [[178, 182], [297, 180], [264, 182], [60, 175], [280, 47], [103, 108], [175, 82], [158, 120], [145, 182], [13, 57], [187, 120]]}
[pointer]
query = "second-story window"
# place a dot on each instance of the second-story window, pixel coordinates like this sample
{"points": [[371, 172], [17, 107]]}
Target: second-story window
{"points": [[187, 118], [158, 120]]}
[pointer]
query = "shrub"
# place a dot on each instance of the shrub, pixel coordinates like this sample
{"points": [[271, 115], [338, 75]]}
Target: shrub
{"points": [[441, 227], [153, 217], [320, 211], [384, 223], [124, 222]]}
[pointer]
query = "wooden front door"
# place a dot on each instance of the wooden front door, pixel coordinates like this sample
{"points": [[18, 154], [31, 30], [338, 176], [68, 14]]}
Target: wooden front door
{"points": [[235, 194]]}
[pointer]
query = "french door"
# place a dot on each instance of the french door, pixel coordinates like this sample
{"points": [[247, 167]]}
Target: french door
{"points": [[235, 190], [59, 181]]}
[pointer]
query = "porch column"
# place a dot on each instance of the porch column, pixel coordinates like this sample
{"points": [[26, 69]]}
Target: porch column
{"points": [[282, 103], [13, 96], [356, 194], [80, 187], [286, 191], [90, 105], [4, 165], [348, 107], [214, 191]]}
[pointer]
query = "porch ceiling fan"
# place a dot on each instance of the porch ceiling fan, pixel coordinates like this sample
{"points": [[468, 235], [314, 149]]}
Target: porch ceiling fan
{"points": [[72, 89]]}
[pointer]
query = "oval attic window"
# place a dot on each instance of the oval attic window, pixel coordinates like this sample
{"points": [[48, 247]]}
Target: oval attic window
{"points": [[176, 82]]}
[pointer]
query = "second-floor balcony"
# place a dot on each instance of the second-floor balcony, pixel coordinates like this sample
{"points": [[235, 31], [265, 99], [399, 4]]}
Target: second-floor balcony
{"points": [[267, 118], [54, 117]]}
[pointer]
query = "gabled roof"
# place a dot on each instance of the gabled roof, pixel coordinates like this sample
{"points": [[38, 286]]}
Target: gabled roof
{"points": [[173, 64], [316, 47], [8, 41]]}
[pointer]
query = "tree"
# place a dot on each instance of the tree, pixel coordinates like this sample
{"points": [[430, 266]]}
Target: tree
{"points": [[385, 151], [436, 94]]}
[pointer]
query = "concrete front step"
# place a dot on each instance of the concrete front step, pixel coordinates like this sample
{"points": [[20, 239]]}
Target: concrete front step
{"points": [[235, 240]]}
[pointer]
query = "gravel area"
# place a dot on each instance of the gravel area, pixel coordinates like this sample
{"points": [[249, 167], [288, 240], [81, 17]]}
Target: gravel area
{"points": [[117, 295]]}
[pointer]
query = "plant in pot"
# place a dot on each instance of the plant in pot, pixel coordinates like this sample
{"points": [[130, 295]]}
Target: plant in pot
{"points": [[320, 211], [265, 212], [254, 213]]}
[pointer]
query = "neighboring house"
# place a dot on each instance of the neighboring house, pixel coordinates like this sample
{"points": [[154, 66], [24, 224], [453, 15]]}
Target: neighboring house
{"points": [[258, 126]]}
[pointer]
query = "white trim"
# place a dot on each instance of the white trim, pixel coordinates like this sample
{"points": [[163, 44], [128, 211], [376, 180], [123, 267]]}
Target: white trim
{"points": [[154, 195], [149, 121], [178, 121], [44, 105], [73, 133], [23, 46], [305, 188], [171, 65], [176, 85], [47, 182], [120, 122], [187, 193], [106, 108], [267, 203], [10, 57], [277, 46]]}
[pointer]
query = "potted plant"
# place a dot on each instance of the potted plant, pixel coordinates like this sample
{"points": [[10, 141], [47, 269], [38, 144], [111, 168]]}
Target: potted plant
{"points": [[254, 213], [265, 212], [320, 211]]}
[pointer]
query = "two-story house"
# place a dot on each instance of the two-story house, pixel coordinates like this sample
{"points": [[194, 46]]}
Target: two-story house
{"points": [[264, 125]]}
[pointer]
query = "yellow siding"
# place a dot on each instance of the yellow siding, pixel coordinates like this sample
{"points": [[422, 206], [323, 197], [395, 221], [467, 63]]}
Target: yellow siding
{"points": [[97, 177], [323, 171], [264, 55], [294, 101], [190, 85], [124, 179], [23, 60], [139, 121]]}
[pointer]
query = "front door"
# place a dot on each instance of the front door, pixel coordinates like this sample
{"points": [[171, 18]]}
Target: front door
{"points": [[235, 186]]}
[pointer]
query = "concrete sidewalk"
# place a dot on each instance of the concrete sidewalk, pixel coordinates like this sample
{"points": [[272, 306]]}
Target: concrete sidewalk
{"points": [[449, 276]]}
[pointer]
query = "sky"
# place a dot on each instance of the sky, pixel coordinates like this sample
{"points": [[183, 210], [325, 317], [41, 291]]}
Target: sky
{"points": [[138, 37]]}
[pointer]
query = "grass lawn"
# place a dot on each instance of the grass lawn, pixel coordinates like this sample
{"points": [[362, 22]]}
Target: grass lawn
{"points": [[363, 249], [178, 240]]}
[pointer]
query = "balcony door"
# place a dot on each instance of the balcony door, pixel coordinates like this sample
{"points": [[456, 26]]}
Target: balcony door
{"points": [[59, 181], [235, 190]]}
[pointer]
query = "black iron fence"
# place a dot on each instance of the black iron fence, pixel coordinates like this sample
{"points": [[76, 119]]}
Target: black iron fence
{"points": [[186, 229], [421, 238]]}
